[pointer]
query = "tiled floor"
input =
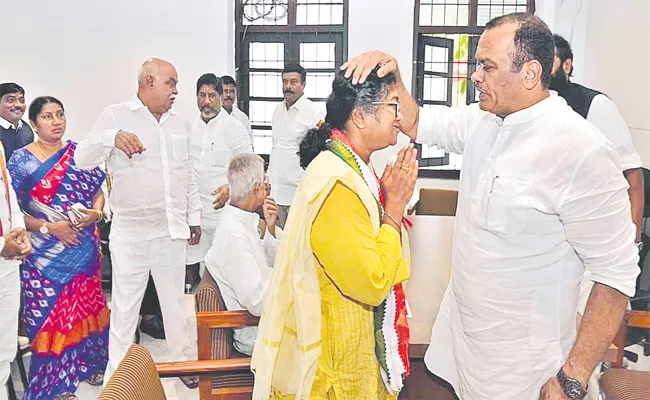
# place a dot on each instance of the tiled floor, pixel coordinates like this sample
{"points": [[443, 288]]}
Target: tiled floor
{"points": [[174, 389]]}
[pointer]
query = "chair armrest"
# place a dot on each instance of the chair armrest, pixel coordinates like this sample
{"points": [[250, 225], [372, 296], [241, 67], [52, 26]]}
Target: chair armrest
{"points": [[638, 319], [202, 367], [226, 319]]}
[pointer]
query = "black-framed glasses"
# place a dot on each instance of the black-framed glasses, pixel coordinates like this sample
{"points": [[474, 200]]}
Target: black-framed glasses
{"points": [[390, 103]]}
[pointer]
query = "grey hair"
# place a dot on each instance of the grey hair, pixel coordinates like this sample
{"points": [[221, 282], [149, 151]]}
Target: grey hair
{"points": [[245, 172]]}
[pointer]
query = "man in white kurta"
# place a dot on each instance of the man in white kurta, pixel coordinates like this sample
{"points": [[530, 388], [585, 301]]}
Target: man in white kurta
{"points": [[215, 138], [541, 197], [291, 121], [155, 204], [241, 262], [13, 241]]}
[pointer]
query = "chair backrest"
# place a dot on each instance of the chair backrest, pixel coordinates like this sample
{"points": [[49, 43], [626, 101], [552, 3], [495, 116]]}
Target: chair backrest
{"points": [[208, 299], [135, 378]]}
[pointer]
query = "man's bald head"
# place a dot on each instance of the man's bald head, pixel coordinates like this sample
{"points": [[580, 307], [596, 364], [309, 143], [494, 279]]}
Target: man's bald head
{"points": [[157, 81]]}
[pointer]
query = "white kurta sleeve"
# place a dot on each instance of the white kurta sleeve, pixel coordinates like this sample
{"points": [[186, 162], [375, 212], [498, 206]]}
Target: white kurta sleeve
{"points": [[595, 211], [606, 117], [447, 127], [95, 148]]}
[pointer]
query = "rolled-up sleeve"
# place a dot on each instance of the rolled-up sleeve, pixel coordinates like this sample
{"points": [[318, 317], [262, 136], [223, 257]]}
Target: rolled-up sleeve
{"points": [[595, 211]]}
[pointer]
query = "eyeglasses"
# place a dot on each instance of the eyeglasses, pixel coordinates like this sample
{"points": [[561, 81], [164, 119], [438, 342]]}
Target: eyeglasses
{"points": [[390, 103]]}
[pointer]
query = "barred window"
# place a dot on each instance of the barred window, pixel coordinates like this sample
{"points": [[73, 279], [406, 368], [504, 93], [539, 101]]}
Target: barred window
{"points": [[273, 33], [446, 37]]}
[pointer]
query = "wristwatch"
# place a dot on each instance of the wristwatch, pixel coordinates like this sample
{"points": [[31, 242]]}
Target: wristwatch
{"points": [[572, 388], [639, 246], [43, 229]]}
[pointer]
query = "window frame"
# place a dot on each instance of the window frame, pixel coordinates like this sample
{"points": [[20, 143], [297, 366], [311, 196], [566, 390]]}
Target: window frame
{"points": [[291, 35], [420, 35]]}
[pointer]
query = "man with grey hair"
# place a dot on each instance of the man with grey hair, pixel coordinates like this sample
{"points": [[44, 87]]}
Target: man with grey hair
{"points": [[155, 204], [238, 260]]}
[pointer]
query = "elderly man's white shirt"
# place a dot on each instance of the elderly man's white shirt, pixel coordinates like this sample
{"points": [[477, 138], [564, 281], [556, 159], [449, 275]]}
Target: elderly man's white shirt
{"points": [[541, 197], [241, 264]]}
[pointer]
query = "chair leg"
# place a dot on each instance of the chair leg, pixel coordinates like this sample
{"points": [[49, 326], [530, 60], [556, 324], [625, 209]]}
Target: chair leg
{"points": [[22, 370], [11, 391]]}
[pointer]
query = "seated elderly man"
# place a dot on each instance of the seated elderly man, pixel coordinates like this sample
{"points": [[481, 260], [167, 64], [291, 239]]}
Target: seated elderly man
{"points": [[238, 260]]}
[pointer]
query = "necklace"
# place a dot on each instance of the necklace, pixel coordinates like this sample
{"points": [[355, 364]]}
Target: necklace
{"points": [[38, 144]]}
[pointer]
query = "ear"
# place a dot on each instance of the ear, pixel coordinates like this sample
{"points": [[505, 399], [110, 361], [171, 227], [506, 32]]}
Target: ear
{"points": [[150, 80], [566, 66], [531, 74], [358, 118]]}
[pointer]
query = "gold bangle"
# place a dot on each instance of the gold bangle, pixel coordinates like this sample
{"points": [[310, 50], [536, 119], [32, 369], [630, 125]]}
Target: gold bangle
{"points": [[392, 219], [100, 214]]}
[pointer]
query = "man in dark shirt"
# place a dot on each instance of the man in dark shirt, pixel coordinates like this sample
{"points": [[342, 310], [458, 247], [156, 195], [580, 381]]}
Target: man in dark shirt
{"points": [[14, 132]]}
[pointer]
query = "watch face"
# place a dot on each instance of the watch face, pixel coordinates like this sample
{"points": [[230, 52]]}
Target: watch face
{"points": [[43, 229], [572, 389]]}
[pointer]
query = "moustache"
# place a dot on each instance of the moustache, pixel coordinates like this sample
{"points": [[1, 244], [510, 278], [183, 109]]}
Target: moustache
{"points": [[288, 91]]}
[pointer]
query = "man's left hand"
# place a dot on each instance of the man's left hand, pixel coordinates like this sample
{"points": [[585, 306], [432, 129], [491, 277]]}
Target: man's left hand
{"points": [[195, 235], [552, 391]]}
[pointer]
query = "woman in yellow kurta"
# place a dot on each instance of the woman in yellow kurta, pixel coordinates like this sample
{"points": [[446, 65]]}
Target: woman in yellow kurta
{"points": [[336, 280]]}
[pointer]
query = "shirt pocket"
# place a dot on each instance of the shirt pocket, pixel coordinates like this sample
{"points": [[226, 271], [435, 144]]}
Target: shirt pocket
{"points": [[507, 206], [180, 147], [219, 158]]}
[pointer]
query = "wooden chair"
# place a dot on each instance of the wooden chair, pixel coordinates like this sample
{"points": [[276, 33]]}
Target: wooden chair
{"points": [[233, 379], [618, 383]]}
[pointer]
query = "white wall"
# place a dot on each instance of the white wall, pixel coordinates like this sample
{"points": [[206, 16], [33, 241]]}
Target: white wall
{"points": [[87, 53], [617, 56], [388, 27]]}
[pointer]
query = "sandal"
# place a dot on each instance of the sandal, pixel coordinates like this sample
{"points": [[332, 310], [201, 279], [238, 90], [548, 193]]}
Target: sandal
{"points": [[96, 380], [192, 382], [66, 396]]}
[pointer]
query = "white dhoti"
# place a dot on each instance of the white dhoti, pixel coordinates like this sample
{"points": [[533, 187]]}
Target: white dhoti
{"points": [[196, 253], [9, 305], [132, 262]]}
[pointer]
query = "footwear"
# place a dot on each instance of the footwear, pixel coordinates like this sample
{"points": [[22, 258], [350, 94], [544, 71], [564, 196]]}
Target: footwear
{"points": [[153, 327], [66, 396], [96, 380], [192, 382]]}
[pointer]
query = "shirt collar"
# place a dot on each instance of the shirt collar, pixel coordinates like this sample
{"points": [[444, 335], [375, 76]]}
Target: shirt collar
{"points": [[135, 104], [7, 125], [298, 104], [534, 111], [247, 218]]}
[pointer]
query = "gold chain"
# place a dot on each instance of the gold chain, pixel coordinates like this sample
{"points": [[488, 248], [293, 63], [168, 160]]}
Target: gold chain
{"points": [[38, 144]]}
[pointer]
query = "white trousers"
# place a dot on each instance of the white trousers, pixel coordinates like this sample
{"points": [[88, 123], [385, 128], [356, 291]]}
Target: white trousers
{"points": [[9, 305], [132, 262]]}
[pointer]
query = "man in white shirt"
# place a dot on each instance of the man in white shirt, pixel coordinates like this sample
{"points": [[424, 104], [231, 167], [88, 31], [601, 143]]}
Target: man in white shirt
{"points": [[239, 261], [229, 100], [215, 138], [15, 245], [541, 197], [14, 132], [155, 204], [291, 120]]}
